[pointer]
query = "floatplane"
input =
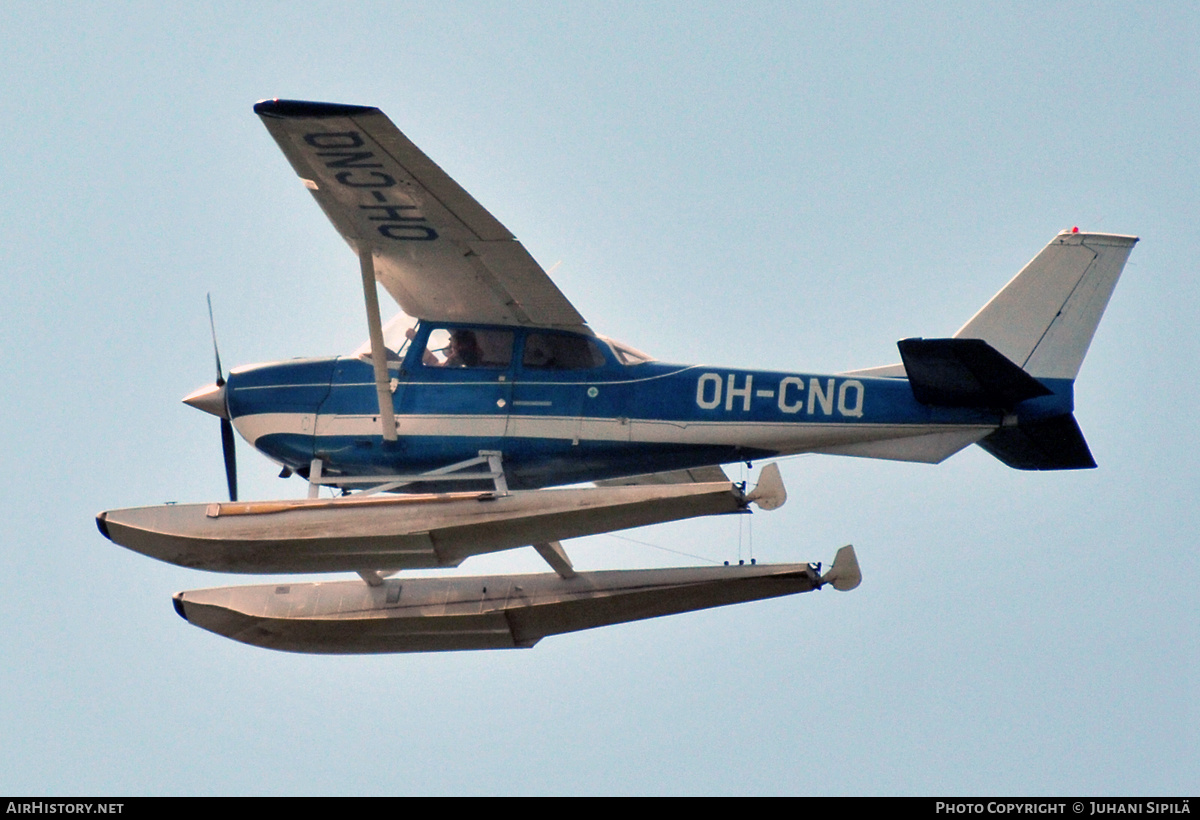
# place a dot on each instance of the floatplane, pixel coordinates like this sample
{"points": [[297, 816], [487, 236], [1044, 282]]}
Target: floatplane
{"points": [[463, 426]]}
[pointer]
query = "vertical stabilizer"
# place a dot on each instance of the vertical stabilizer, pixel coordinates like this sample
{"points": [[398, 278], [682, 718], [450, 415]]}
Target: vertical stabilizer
{"points": [[1044, 319]]}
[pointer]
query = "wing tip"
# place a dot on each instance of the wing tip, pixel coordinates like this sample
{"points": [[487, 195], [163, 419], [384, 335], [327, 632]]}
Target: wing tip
{"points": [[301, 109]]}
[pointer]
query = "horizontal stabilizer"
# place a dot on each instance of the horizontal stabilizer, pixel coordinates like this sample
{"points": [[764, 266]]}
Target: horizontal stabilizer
{"points": [[965, 373], [493, 612], [1047, 444]]}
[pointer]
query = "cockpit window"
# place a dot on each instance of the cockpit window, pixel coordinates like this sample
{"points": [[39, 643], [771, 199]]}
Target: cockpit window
{"points": [[468, 347], [560, 351]]}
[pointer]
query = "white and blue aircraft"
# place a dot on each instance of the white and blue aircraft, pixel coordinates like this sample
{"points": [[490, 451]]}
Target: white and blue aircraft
{"points": [[443, 432]]}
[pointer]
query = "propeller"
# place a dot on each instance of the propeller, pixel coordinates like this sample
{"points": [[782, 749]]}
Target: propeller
{"points": [[211, 399], [227, 447]]}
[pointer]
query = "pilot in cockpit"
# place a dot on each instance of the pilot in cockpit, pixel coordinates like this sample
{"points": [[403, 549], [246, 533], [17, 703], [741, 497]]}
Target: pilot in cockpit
{"points": [[464, 350]]}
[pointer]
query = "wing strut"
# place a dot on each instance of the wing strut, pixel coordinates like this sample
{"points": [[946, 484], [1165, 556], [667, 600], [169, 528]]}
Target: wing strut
{"points": [[383, 383]]}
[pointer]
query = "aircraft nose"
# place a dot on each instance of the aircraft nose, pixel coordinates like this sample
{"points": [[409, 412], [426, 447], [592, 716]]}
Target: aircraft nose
{"points": [[210, 399]]}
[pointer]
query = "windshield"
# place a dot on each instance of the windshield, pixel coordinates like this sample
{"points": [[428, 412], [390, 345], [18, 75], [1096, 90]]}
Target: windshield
{"points": [[396, 335], [627, 355]]}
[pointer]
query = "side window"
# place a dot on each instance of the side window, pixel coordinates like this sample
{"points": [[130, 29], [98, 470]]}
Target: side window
{"points": [[559, 351], [468, 347]]}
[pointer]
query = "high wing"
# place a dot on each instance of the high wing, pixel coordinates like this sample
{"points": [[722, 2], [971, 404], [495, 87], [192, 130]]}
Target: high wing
{"points": [[436, 250]]}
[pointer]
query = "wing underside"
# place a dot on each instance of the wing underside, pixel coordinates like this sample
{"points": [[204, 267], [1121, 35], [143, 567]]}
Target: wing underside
{"points": [[436, 250]]}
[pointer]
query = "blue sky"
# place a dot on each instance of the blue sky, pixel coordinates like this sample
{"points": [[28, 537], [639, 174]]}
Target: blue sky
{"points": [[776, 185]]}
